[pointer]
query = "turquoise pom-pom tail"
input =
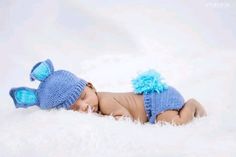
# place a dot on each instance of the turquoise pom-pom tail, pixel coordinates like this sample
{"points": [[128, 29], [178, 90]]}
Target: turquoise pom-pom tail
{"points": [[148, 82], [42, 70]]}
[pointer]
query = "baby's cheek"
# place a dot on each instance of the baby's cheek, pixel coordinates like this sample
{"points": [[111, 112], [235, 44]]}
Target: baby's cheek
{"points": [[74, 107]]}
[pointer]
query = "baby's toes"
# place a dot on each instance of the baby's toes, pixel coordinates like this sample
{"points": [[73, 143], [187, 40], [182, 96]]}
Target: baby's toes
{"points": [[200, 112]]}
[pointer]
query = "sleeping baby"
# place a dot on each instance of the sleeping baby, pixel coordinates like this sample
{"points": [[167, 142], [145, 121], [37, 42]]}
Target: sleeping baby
{"points": [[151, 101]]}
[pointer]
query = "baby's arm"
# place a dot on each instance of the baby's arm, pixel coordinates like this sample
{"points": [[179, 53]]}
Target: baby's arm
{"points": [[122, 114], [110, 106], [191, 108]]}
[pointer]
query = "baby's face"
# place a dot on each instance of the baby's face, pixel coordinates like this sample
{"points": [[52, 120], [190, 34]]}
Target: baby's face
{"points": [[88, 100]]}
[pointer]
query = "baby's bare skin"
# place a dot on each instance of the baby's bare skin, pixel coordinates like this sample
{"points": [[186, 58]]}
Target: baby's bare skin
{"points": [[122, 104], [131, 105]]}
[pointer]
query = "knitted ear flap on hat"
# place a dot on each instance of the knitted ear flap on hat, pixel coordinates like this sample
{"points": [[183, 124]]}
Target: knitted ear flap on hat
{"points": [[42, 70], [24, 97]]}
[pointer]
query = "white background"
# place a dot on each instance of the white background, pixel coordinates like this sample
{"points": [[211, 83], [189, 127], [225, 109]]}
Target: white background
{"points": [[192, 43]]}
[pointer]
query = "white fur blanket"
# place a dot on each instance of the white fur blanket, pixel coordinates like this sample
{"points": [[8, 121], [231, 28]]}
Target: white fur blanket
{"points": [[108, 44]]}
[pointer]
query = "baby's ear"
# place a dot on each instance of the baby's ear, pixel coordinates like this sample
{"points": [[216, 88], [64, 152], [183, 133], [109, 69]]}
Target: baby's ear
{"points": [[89, 84], [42, 70], [24, 97]]}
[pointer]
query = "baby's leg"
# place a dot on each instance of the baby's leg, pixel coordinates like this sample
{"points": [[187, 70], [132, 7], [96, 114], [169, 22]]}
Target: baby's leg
{"points": [[191, 108]]}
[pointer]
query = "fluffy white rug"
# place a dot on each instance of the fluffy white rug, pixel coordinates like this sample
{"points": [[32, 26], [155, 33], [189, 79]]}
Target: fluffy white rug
{"points": [[32, 132]]}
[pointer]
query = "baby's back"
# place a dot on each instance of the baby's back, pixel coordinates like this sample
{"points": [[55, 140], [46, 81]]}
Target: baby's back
{"points": [[131, 102]]}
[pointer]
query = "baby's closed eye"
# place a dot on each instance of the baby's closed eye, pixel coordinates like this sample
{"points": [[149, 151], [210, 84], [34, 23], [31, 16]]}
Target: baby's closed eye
{"points": [[83, 96]]}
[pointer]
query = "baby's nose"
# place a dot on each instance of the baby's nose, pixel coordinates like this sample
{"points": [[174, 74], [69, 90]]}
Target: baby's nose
{"points": [[83, 107]]}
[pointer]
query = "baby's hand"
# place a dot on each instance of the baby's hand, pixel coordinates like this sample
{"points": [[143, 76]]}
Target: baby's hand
{"points": [[121, 117]]}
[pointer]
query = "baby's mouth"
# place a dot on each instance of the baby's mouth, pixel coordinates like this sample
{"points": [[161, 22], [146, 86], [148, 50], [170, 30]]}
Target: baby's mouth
{"points": [[91, 109]]}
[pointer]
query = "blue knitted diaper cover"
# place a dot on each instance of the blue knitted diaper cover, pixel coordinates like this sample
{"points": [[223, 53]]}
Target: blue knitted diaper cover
{"points": [[155, 103]]}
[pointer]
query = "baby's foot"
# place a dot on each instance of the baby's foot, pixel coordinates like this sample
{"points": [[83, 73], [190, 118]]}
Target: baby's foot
{"points": [[200, 111], [197, 108]]}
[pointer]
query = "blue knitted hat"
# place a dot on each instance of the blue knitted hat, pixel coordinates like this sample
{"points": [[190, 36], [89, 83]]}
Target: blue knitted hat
{"points": [[58, 89]]}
